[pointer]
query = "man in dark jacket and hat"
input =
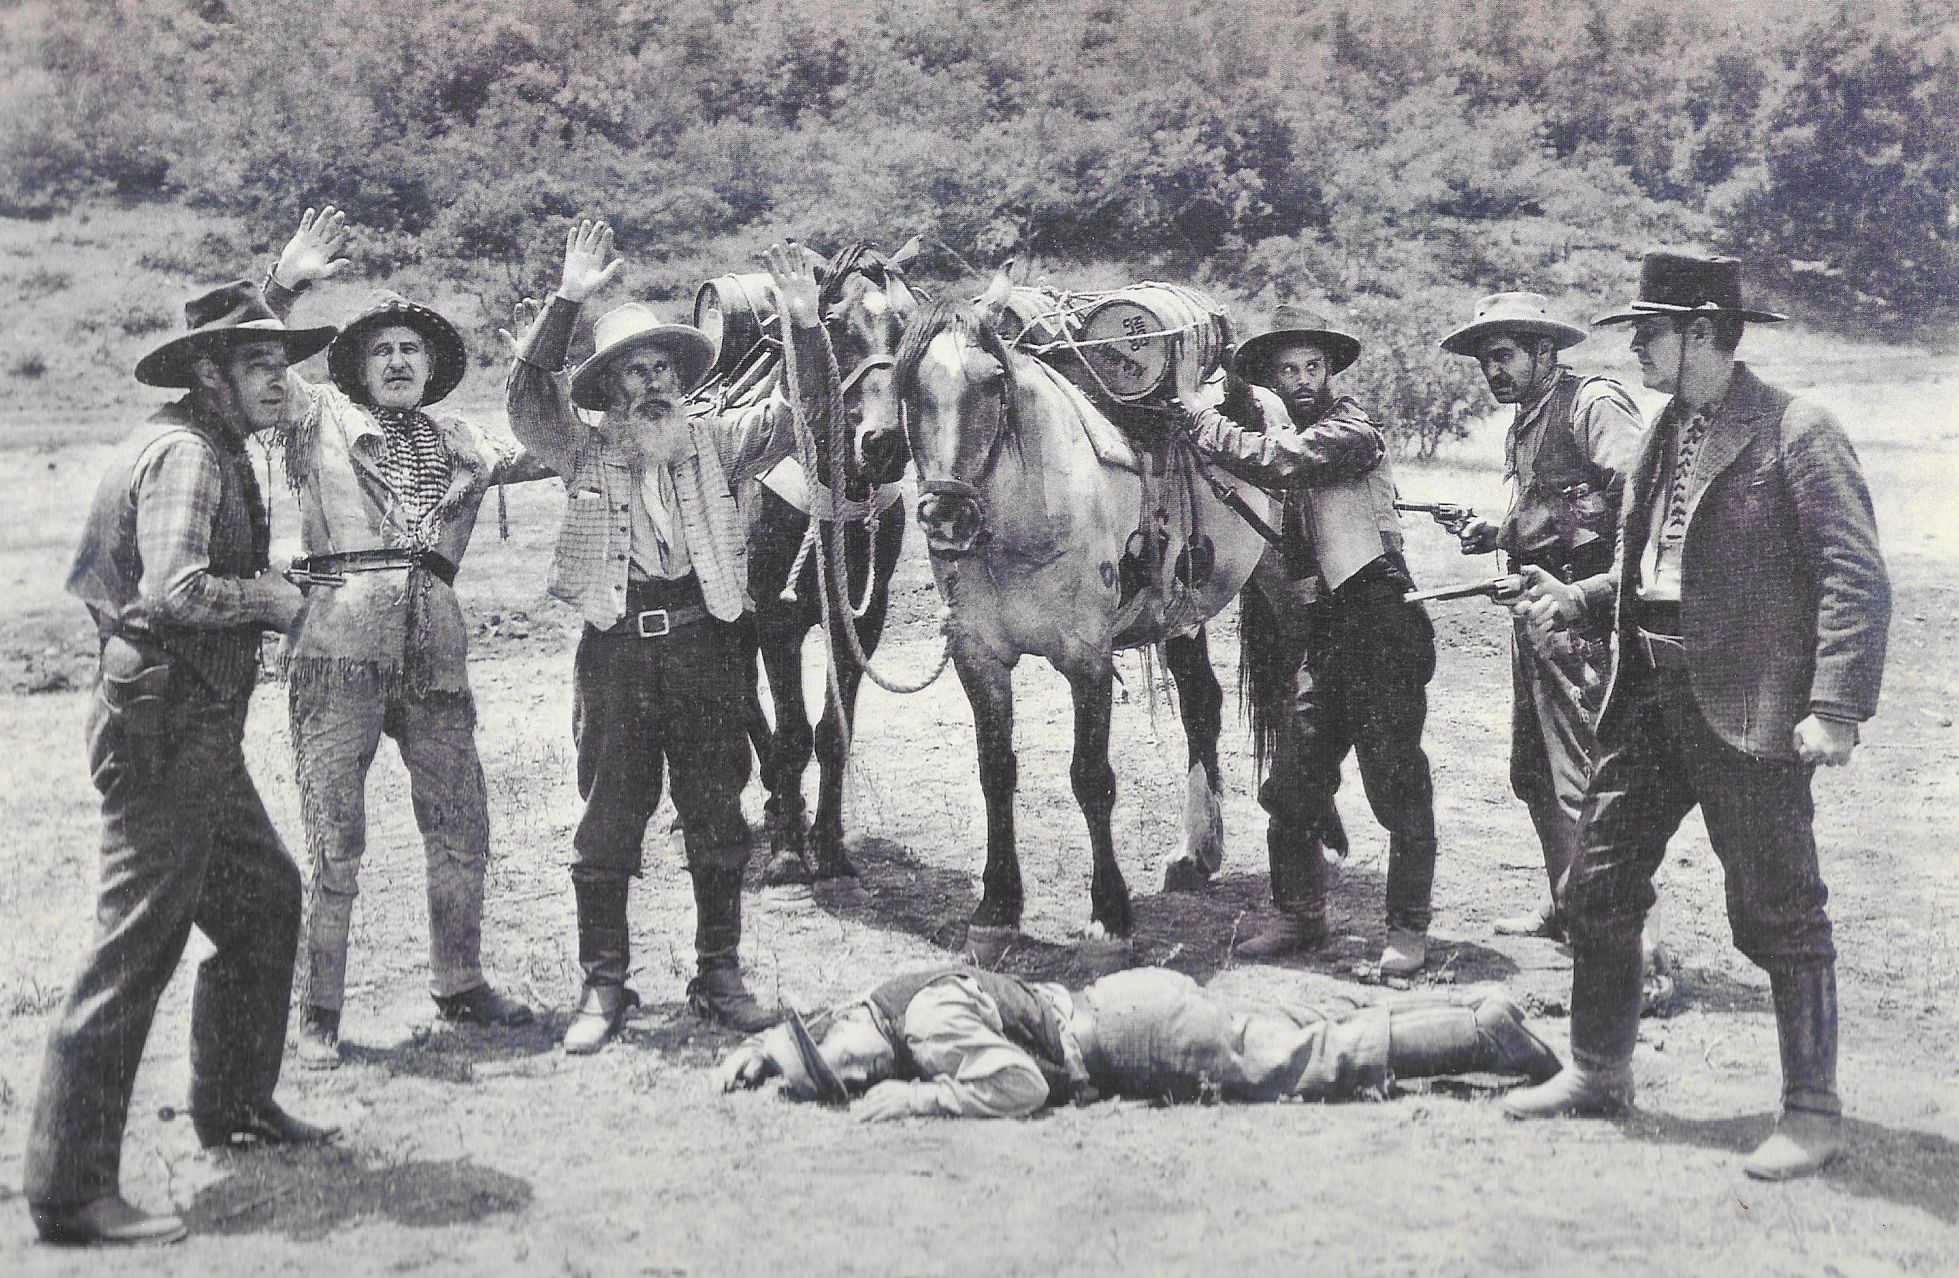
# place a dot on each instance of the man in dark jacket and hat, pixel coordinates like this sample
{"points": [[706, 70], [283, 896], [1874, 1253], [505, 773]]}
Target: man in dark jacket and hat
{"points": [[966, 1042], [388, 498], [172, 566], [1567, 453], [1334, 589], [1751, 605]]}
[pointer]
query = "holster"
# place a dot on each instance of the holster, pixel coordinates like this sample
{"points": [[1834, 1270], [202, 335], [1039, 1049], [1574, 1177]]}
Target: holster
{"points": [[138, 680]]}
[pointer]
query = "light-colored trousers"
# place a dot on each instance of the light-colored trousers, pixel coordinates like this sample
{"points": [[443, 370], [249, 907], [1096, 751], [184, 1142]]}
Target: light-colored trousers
{"points": [[336, 730]]}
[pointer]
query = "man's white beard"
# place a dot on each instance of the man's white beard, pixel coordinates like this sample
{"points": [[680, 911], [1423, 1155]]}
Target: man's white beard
{"points": [[658, 431]]}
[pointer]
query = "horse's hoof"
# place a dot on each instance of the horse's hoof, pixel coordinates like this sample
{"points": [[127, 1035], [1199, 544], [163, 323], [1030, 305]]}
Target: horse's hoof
{"points": [[1097, 939], [835, 865], [986, 946], [1184, 874], [785, 868]]}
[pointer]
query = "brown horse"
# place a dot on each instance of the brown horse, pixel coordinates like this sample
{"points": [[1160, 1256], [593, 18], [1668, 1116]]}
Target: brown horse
{"points": [[866, 303], [1029, 499]]}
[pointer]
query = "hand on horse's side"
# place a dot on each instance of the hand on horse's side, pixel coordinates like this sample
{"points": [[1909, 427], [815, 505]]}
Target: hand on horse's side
{"points": [[795, 280], [523, 316], [313, 252], [587, 246]]}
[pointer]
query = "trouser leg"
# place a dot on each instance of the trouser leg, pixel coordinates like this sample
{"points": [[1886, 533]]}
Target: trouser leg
{"points": [[250, 910], [156, 839], [617, 733], [1313, 739], [437, 735], [336, 727], [1552, 746], [1388, 659]]}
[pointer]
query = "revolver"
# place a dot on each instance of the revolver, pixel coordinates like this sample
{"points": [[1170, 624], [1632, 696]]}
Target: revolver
{"points": [[1452, 517]]}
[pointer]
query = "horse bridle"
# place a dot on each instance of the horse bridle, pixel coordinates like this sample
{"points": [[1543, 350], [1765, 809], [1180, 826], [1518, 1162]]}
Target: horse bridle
{"points": [[968, 489]]}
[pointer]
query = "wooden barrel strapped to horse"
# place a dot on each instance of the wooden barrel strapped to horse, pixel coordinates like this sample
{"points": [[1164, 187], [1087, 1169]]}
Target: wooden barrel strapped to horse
{"points": [[1131, 338], [733, 311]]}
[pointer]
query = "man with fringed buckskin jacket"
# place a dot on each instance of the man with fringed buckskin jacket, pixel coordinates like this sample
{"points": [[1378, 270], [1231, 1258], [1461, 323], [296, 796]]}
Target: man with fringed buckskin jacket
{"points": [[1751, 606], [388, 498]]}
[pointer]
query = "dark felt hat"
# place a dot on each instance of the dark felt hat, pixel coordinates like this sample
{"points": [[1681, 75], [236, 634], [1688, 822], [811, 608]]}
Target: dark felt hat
{"points": [[447, 359], [804, 1071], [1672, 283], [1292, 324], [226, 316]]}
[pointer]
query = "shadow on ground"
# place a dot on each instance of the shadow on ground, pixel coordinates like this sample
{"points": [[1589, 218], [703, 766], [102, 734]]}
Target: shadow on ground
{"points": [[308, 1194], [1911, 1169], [451, 1054]]}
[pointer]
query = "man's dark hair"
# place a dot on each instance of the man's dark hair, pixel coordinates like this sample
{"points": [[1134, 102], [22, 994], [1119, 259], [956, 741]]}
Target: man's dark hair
{"points": [[1725, 330]]}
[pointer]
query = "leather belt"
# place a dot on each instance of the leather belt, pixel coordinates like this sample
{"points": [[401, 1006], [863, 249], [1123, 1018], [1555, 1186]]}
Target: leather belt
{"points": [[1664, 652], [657, 623], [379, 559]]}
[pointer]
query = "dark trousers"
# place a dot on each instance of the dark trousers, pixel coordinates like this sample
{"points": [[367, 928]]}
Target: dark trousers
{"points": [[185, 841], [645, 710], [1552, 745], [1362, 688], [1650, 774]]}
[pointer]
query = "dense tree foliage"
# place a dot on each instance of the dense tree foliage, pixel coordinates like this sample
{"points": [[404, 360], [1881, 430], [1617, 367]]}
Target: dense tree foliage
{"points": [[1384, 158]]}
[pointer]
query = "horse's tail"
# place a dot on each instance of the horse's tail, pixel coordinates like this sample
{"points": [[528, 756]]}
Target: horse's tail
{"points": [[1267, 660]]}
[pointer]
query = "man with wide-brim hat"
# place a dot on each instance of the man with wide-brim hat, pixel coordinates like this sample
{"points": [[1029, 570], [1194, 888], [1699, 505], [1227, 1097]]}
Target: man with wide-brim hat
{"points": [[654, 557], [388, 496], [173, 568], [958, 1041], [1340, 663], [1569, 447], [1751, 605]]}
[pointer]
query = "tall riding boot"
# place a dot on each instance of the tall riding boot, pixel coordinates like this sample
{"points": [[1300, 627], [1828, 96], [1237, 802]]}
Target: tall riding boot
{"points": [[1557, 834], [1486, 1035], [1604, 1028], [717, 993], [604, 949], [1298, 893], [1809, 1135]]}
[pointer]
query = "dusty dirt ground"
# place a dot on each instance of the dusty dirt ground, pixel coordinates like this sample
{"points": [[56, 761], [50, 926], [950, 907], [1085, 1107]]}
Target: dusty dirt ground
{"points": [[492, 1152]]}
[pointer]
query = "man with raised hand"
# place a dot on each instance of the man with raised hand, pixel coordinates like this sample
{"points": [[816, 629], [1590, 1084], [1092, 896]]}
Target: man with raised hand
{"points": [[172, 566], [653, 556], [1751, 605]]}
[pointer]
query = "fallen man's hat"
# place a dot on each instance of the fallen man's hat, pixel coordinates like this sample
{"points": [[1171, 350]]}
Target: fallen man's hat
{"points": [[804, 1071]]}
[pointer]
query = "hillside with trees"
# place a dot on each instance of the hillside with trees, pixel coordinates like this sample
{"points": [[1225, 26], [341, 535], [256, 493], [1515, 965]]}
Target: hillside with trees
{"points": [[1386, 159]]}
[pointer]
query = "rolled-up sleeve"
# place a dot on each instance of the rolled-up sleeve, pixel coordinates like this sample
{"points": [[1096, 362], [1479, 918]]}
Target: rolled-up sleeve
{"points": [[953, 1031]]}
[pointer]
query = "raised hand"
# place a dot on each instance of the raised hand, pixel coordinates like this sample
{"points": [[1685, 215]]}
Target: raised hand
{"points": [[314, 251], [523, 317], [795, 280], [588, 245]]}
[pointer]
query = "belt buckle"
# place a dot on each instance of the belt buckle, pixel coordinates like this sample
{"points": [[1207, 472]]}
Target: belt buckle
{"points": [[654, 617]]}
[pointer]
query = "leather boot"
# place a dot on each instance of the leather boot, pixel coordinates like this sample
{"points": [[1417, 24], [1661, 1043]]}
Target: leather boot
{"points": [[717, 992], [263, 1122], [604, 949], [108, 1221], [1809, 1135], [318, 1042], [1284, 933], [1486, 1035], [1604, 1026], [1298, 867]]}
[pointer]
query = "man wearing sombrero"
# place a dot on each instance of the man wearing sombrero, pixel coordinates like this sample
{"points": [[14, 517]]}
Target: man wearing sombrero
{"points": [[1334, 591], [654, 558], [388, 497], [1569, 448], [1751, 605], [965, 1042], [173, 569]]}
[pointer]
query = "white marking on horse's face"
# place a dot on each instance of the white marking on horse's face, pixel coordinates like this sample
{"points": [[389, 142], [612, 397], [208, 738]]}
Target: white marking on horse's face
{"points": [[875, 303]]}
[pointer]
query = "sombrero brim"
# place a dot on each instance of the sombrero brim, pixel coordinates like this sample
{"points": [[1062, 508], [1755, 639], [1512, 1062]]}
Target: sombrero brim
{"points": [[448, 360], [1649, 310], [169, 364], [1254, 357], [807, 1074], [1468, 339], [694, 349]]}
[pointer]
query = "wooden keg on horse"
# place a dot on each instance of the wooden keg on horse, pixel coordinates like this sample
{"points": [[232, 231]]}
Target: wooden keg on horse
{"points": [[1034, 317], [735, 311], [1132, 338]]}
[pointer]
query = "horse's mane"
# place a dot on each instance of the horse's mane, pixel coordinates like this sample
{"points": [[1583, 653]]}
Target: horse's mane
{"points": [[949, 314], [853, 259]]}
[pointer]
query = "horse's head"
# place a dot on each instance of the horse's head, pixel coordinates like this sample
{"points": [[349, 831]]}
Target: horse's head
{"points": [[955, 383], [866, 304]]}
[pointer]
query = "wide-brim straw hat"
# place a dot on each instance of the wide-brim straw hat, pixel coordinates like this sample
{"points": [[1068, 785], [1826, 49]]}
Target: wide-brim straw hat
{"points": [[226, 316], [1673, 283], [628, 328], [1290, 325], [448, 361], [1526, 314]]}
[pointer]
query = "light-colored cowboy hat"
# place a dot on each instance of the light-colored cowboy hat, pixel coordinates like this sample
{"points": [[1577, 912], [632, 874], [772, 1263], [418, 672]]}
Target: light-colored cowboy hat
{"points": [[226, 316], [1525, 313], [1292, 324], [1673, 283], [447, 360], [627, 328]]}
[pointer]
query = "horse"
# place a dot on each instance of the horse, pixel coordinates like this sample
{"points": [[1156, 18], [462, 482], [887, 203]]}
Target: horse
{"points": [[866, 302], [1029, 498]]}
